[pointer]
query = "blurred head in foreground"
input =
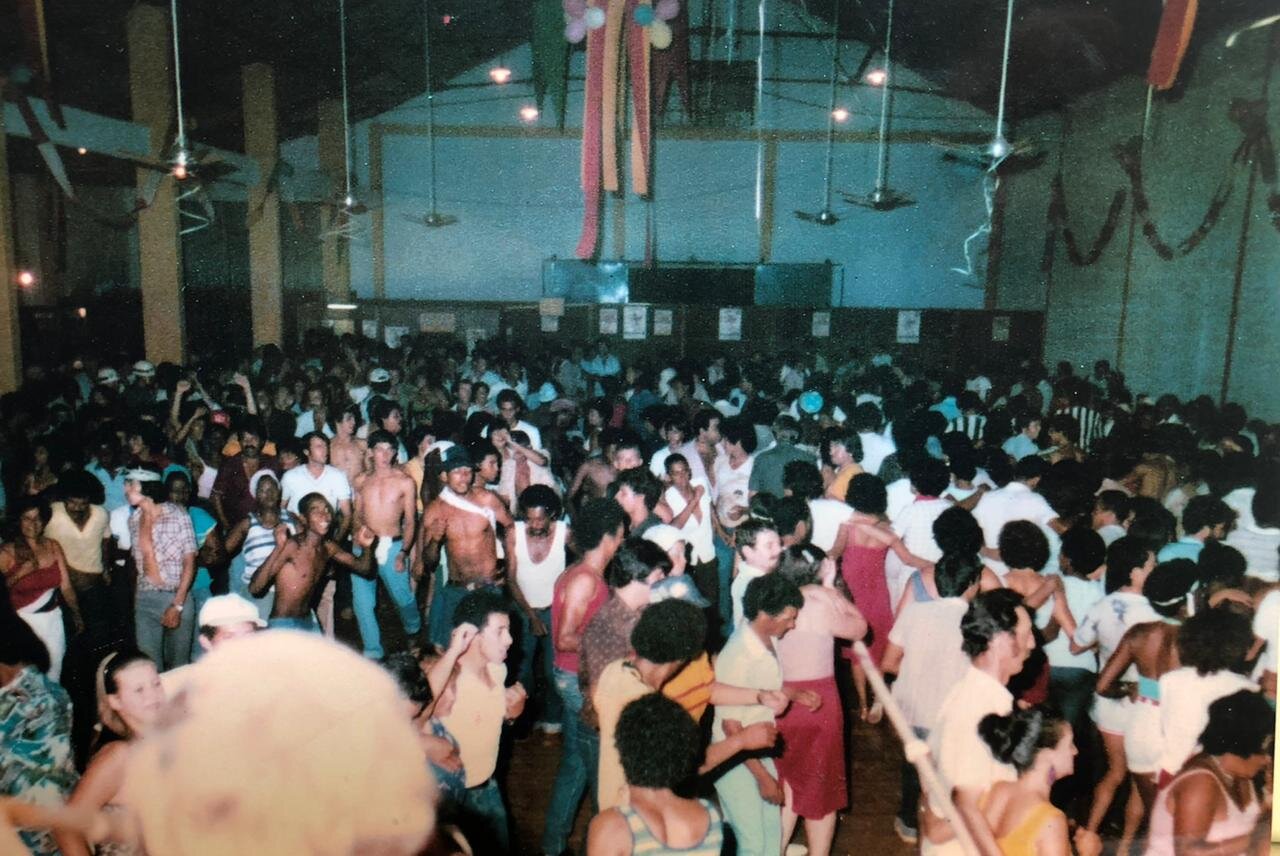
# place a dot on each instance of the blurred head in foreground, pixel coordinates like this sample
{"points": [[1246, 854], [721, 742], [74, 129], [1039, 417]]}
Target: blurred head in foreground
{"points": [[282, 743]]}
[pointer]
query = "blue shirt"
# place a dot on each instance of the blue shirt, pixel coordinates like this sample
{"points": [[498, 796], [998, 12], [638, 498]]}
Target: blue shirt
{"points": [[1020, 446], [947, 407], [112, 485], [1183, 548], [203, 523]]}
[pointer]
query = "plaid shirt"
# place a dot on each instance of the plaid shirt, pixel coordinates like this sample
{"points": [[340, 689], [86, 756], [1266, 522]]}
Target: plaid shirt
{"points": [[175, 539]]}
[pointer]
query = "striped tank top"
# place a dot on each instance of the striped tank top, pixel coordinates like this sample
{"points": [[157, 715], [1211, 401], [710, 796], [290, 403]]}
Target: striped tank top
{"points": [[644, 842]]}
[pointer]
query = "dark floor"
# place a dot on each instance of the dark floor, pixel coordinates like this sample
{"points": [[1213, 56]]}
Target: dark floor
{"points": [[866, 827]]}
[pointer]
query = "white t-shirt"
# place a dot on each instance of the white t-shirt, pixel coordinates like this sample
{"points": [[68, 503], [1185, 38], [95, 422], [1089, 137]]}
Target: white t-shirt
{"points": [[1266, 626], [537, 580], [827, 516], [964, 759], [1185, 697], [875, 448], [1014, 501], [698, 534], [929, 635], [1108, 621], [658, 462], [733, 489], [746, 573], [332, 483], [900, 495], [1082, 596]]}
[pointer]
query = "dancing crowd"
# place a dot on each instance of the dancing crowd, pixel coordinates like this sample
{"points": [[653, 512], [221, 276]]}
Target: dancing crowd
{"points": [[1060, 593]]}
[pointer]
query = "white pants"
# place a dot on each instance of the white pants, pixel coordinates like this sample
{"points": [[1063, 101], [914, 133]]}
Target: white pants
{"points": [[48, 626]]}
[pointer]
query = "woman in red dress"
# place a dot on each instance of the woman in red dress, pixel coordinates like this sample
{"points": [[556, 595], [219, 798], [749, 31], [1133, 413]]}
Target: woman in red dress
{"points": [[868, 538]]}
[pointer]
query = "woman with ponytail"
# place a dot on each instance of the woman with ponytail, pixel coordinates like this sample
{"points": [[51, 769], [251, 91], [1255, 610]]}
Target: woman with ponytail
{"points": [[1039, 746], [130, 698]]}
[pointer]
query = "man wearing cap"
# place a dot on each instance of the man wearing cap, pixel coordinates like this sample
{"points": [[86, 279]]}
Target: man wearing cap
{"points": [[109, 378], [141, 393], [163, 542], [386, 500], [221, 619], [463, 519], [379, 387]]}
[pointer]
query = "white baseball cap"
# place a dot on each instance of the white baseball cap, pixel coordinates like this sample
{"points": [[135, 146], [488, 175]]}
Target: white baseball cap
{"points": [[227, 609]]}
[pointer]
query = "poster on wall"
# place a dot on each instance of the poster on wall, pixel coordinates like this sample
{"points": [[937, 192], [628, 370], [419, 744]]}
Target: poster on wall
{"points": [[731, 324], [340, 326], [821, 325], [663, 321], [437, 322], [369, 328], [609, 321], [551, 306], [635, 322], [1000, 328], [908, 326], [393, 335], [550, 323]]}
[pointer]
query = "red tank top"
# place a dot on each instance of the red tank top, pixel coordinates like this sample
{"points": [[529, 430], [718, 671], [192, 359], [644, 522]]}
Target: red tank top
{"points": [[34, 586], [568, 660]]}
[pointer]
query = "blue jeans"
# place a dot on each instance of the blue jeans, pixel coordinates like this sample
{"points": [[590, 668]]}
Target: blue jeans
{"points": [[483, 805], [306, 625], [444, 601], [551, 708], [724, 561], [573, 775], [364, 600], [169, 648], [237, 584]]}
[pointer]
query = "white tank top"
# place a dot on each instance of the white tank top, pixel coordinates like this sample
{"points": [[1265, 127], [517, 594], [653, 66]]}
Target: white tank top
{"points": [[537, 580]]}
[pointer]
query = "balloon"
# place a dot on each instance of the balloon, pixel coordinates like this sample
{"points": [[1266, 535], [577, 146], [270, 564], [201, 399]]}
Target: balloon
{"points": [[644, 15], [667, 9], [575, 8], [660, 35], [594, 18], [575, 31]]}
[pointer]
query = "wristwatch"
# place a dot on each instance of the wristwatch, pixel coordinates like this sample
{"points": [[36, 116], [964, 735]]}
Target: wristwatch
{"points": [[178, 606]]}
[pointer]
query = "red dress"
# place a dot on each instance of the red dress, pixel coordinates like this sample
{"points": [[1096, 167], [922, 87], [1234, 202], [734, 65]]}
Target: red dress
{"points": [[863, 572]]}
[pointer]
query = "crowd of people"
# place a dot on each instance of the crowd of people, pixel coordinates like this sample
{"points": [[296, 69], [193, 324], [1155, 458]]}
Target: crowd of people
{"points": [[1072, 589]]}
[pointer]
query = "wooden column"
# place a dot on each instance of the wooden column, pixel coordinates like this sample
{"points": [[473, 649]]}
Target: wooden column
{"points": [[159, 245], [334, 252], [261, 142], [10, 332]]}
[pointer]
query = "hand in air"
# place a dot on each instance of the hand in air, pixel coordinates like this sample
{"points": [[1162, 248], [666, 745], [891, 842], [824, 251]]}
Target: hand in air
{"points": [[460, 639]]}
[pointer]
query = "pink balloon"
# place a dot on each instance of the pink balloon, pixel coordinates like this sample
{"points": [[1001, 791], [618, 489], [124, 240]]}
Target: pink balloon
{"points": [[667, 9], [575, 8], [575, 31]]}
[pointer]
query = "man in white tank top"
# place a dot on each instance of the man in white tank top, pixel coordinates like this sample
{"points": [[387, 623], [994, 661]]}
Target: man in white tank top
{"points": [[535, 549]]}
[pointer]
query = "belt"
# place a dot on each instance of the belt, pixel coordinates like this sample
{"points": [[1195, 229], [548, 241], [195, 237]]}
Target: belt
{"points": [[474, 585]]}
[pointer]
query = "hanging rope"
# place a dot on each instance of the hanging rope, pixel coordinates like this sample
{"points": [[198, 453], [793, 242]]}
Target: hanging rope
{"points": [[177, 79], [882, 151], [346, 102]]}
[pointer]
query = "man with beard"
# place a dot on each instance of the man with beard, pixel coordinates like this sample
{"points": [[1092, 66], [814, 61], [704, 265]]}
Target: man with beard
{"points": [[232, 499]]}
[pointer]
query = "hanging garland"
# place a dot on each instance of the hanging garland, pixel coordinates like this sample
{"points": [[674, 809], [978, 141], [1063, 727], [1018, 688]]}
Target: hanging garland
{"points": [[1057, 221]]}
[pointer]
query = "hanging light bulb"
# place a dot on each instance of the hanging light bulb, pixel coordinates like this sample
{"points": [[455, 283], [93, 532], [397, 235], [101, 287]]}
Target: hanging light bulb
{"points": [[840, 114], [528, 113], [999, 148], [26, 278], [82, 151], [82, 312], [181, 165], [876, 77], [500, 74]]}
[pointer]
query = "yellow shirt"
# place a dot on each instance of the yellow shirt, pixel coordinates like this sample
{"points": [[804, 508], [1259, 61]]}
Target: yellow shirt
{"points": [[618, 686], [83, 547], [476, 721], [691, 687]]}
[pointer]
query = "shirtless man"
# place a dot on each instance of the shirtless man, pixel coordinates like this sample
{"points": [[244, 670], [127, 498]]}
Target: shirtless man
{"points": [[627, 455], [347, 452], [594, 476], [1152, 648], [464, 519], [297, 565], [386, 502]]}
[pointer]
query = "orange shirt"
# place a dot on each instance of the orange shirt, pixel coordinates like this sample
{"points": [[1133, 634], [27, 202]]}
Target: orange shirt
{"points": [[691, 687]]}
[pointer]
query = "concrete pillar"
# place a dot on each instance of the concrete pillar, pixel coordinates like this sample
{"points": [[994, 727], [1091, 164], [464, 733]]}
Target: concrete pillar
{"points": [[34, 228], [335, 255], [159, 245], [10, 332], [261, 142]]}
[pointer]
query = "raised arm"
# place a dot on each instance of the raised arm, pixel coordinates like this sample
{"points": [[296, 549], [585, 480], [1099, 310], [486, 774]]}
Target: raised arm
{"points": [[284, 552]]}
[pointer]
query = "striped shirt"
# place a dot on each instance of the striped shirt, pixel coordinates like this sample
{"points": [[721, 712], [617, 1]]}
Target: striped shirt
{"points": [[1093, 425], [972, 425]]}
